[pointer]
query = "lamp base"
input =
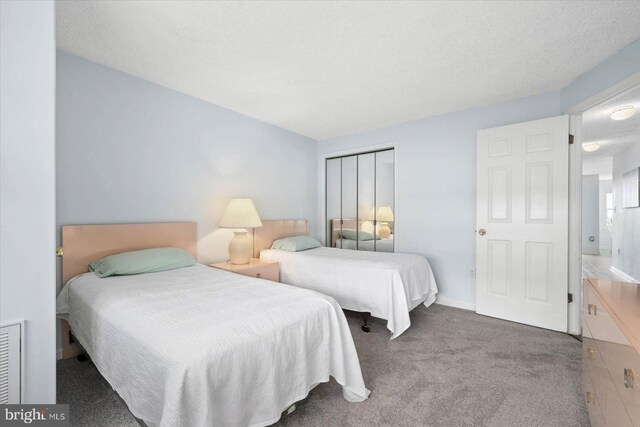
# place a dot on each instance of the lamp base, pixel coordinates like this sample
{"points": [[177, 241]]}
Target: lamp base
{"points": [[384, 231], [240, 248]]}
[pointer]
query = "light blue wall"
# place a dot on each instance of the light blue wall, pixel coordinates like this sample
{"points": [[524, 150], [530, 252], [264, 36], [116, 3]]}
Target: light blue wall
{"points": [[615, 69], [437, 177], [27, 188], [435, 204], [626, 221], [128, 150], [590, 214], [131, 151]]}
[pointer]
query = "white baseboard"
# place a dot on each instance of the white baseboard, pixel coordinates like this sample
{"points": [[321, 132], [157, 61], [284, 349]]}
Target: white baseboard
{"points": [[624, 276], [59, 353], [457, 304]]}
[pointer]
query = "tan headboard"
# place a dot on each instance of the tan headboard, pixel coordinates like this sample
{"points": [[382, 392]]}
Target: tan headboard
{"points": [[347, 224], [277, 229], [83, 244]]}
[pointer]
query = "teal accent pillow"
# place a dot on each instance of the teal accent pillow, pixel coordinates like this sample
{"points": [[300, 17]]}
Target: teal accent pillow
{"points": [[361, 235], [144, 261], [296, 244]]}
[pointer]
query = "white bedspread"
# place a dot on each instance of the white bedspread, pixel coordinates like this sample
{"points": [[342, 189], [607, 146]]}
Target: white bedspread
{"points": [[203, 347], [387, 285]]}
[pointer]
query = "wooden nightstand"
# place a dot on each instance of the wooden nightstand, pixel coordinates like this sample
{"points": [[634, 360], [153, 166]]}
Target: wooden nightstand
{"points": [[255, 268]]}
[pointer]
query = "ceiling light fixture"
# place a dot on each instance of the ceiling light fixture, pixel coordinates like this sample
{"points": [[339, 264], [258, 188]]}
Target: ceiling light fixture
{"points": [[590, 147], [623, 113]]}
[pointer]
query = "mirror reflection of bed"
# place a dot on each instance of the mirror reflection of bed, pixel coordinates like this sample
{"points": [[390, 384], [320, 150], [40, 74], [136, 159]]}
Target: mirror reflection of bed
{"points": [[360, 201], [361, 235]]}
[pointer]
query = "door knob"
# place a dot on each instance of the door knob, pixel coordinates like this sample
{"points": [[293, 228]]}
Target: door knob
{"points": [[482, 232]]}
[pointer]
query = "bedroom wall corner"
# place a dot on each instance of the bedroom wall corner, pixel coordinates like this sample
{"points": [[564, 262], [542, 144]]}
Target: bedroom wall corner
{"points": [[438, 220], [129, 151], [615, 69]]}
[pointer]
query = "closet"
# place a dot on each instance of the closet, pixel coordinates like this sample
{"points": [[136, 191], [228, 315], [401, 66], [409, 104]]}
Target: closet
{"points": [[360, 201]]}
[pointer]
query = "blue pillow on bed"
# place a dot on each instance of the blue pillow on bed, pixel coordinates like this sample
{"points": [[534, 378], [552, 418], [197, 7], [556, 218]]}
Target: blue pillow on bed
{"points": [[144, 261], [296, 244], [360, 235]]}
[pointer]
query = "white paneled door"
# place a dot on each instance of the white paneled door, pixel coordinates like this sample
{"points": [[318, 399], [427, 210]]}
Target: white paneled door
{"points": [[522, 222]]}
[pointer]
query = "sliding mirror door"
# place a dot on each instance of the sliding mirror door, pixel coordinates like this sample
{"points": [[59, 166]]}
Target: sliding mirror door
{"points": [[366, 202], [333, 195], [360, 201], [349, 202], [385, 186]]}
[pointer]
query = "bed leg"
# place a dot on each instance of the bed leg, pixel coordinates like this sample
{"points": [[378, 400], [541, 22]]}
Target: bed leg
{"points": [[365, 327]]}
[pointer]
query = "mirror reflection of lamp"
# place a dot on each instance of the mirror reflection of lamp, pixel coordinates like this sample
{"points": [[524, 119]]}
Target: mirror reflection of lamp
{"points": [[367, 226], [240, 213], [384, 215]]}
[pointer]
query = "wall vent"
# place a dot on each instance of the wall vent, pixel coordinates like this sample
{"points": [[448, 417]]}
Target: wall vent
{"points": [[10, 364]]}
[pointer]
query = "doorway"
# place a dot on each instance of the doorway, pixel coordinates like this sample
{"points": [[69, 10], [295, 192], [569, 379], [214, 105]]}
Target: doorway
{"points": [[610, 226]]}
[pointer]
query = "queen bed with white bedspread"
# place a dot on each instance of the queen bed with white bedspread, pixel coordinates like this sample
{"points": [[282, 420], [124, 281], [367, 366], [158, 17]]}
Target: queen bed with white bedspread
{"points": [[197, 346]]}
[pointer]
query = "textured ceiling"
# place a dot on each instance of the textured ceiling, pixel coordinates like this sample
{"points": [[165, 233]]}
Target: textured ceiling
{"points": [[613, 136], [324, 69]]}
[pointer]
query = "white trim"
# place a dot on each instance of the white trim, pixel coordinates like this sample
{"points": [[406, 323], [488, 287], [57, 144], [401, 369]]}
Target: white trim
{"points": [[600, 97], [59, 354], [574, 275], [457, 304], [623, 275], [360, 149], [322, 223]]}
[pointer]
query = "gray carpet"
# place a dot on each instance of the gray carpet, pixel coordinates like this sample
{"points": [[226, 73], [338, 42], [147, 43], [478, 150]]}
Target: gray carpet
{"points": [[451, 368]]}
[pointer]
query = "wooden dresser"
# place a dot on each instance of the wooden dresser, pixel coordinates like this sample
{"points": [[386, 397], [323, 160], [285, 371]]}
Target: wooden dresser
{"points": [[611, 352]]}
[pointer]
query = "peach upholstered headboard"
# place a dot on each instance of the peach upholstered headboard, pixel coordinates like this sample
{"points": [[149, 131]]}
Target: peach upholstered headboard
{"points": [[83, 244], [277, 229], [346, 224]]}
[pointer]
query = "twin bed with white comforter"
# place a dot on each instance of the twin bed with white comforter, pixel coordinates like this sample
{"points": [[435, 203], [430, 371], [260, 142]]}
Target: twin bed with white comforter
{"points": [[387, 285], [198, 346]]}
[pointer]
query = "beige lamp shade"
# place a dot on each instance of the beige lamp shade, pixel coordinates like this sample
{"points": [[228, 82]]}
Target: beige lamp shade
{"points": [[384, 214], [240, 213]]}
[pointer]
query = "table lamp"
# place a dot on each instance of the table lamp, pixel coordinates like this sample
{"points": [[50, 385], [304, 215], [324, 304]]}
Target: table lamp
{"points": [[384, 215], [240, 213]]}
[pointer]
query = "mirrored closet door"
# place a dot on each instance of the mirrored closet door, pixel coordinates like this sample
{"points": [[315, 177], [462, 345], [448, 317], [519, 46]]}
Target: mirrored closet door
{"points": [[360, 201]]}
